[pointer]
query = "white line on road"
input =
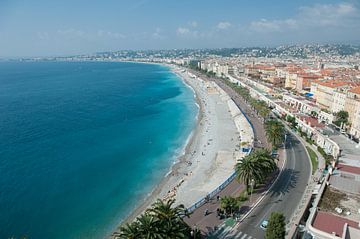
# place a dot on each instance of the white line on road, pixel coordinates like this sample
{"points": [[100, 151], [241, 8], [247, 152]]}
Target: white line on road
{"points": [[245, 235]]}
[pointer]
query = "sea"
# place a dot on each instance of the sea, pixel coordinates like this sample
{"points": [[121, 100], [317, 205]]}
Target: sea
{"points": [[82, 144]]}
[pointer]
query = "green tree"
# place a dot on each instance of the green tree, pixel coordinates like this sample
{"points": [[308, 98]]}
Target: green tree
{"points": [[161, 220], [342, 118], [130, 231], [276, 226], [170, 218], [275, 132], [149, 226], [229, 204], [255, 166], [292, 121]]}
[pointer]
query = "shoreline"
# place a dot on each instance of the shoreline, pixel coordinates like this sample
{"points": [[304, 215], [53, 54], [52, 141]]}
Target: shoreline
{"points": [[178, 161], [194, 175]]}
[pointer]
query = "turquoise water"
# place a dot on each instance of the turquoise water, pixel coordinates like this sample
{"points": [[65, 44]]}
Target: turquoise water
{"points": [[82, 143]]}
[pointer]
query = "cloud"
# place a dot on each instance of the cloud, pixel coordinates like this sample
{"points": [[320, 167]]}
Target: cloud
{"points": [[109, 34], [310, 17], [223, 25], [158, 34], [43, 35], [186, 32], [264, 25], [71, 32], [193, 24], [182, 31], [328, 14]]}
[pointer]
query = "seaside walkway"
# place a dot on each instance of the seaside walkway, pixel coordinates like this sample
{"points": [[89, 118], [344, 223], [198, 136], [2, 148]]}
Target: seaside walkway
{"points": [[207, 224]]}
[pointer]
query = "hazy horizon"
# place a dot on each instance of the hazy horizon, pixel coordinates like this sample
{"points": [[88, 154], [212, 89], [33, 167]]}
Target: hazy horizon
{"points": [[43, 28]]}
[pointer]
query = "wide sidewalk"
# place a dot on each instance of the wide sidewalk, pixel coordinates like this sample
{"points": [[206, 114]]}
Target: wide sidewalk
{"points": [[208, 223]]}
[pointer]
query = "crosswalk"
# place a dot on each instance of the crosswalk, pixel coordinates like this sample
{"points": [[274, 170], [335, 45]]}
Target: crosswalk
{"points": [[238, 235], [226, 232]]}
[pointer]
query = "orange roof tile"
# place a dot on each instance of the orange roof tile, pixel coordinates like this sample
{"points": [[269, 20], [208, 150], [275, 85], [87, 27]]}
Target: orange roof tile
{"points": [[355, 90]]}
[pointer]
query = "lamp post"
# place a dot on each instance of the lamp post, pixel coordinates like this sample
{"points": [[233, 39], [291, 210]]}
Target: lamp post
{"points": [[252, 188]]}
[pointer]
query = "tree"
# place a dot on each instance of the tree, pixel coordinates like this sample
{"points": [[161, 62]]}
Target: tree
{"points": [[149, 226], [292, 121], [161, 220], [130, 231], [275, 132], [171, 218], [255, 166], [276, 226], [229, 204], [341, 118]]}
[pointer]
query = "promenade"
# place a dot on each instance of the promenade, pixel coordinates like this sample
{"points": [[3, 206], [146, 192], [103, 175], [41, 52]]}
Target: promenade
{"points": [[209, 223]]}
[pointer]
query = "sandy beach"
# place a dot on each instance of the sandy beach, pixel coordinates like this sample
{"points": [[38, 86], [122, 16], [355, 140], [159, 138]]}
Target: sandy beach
{"points": [[213, 150]]}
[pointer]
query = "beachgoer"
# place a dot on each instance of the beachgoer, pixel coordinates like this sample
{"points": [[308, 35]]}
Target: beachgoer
{"points": [[206, 212]]}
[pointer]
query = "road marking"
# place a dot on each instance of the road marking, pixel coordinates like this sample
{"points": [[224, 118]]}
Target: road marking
{"points": [[245, 235], [292, 166], [237, 235]]}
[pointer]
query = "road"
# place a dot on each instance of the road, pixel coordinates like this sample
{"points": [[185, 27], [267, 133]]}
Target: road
{"points": [[286, 193]]}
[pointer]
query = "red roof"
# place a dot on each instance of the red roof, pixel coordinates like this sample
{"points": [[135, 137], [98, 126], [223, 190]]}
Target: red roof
{"points": [[330, 223], [355, 90], [349, 169]]}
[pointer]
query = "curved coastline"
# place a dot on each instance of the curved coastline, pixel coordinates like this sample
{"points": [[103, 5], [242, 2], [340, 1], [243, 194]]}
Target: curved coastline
{"points": [[179, 160], [216, 107]]}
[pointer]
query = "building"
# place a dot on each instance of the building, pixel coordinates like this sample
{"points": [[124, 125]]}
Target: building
{"points": [[325, 92], [352, 106]]}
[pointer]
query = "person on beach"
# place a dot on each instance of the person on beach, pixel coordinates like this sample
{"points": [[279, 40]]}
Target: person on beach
{"points": [[206, 212]]}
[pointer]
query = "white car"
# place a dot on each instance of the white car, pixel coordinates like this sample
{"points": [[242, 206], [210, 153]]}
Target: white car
{"points": [[264, 224]]}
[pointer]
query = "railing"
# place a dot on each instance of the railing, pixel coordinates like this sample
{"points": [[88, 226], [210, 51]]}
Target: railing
{"points": [[227, 181]]}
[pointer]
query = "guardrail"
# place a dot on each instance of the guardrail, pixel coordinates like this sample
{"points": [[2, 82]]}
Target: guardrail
{"points": [[203, 200]]}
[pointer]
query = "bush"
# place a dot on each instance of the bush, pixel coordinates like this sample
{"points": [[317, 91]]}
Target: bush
{"points": [[276, 226]]}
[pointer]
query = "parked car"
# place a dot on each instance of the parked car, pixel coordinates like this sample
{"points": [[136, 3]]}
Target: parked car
{"points": [[264, 224]]}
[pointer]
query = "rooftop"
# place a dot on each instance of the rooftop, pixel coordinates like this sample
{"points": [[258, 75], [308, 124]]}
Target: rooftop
{"points": [[349, 169], [330, 223]]}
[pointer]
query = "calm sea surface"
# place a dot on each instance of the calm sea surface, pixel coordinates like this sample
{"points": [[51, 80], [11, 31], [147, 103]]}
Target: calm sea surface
{"points": [[82, 143]]}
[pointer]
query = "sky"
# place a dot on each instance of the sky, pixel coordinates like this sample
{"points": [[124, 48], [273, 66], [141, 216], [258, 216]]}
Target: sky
{"points": [[66, 27]]}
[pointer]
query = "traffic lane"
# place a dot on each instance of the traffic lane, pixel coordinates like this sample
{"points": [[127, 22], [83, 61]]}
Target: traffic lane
{"points": [[286, 193], [299, 179]]}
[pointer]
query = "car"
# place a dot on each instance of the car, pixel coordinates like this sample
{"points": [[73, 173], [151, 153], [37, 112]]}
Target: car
{"points": [[264, 224]]}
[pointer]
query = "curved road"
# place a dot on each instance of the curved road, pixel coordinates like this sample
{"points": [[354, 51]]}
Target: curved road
{"points": [[286, 193], [284, 196]]}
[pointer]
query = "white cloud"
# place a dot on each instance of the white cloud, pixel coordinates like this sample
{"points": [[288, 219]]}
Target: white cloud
{"points": [[223, 25], [309, 17], [328, 14], [264, 25], [110, 34], [182, 31], [71, 32], [157, 34], [194, 24], [43, 35]]}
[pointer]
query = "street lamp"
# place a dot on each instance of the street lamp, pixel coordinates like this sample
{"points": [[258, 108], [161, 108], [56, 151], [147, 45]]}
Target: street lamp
{"points": [[252, 188]]}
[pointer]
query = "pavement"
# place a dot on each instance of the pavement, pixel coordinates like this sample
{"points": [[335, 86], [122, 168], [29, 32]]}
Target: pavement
{"points": [[284, 195], [350, 150], [208, 223]]}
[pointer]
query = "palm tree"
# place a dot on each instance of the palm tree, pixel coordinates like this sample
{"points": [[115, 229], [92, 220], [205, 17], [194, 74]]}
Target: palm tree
{"points": [[170, 218], [255, 166], [130, 231], [247, 169], [162, 220], [266, 160], [229, 204], [148, 227], [275, 132]]}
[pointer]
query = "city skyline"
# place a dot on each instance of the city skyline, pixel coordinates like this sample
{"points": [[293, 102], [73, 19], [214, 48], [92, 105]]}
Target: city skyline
{"points": [[62, 28]]}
